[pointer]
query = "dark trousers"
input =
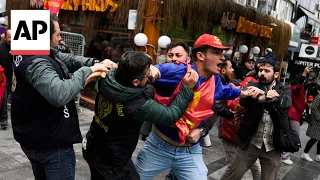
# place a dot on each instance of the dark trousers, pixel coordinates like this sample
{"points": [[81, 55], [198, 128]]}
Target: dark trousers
{"points": [[4, 109], [123, 172], [309, 145], [55, 164]]}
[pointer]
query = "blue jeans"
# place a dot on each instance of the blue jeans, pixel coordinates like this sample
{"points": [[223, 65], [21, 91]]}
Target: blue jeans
{"points": [[55, 164], [157, 155]]}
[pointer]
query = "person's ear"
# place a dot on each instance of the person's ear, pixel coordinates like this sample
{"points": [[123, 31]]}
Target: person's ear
{"points": [[200, 56], [135, 82], [276, 75], [188, 60]]}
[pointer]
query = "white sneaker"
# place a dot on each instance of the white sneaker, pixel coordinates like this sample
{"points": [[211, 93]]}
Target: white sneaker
{"points": [[288, 162], [306, 156], [317, 158]]}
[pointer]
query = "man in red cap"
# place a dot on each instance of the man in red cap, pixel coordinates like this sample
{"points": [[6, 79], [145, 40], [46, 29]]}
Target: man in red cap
{"points": [[165, 147]]}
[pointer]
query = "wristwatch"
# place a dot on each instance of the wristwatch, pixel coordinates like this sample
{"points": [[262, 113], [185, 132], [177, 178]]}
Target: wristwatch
{"points": [[202, 131]]}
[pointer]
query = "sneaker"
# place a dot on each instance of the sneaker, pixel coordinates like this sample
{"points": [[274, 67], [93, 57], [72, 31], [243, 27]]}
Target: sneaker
{"points": [[317, 158], [306, 156], [4, 124], [287, 162]]}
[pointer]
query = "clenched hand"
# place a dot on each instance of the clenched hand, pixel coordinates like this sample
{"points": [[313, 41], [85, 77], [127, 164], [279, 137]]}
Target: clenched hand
{"points": [[191, 78]]}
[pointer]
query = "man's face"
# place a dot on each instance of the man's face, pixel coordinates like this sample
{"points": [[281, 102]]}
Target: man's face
{"points": [[7, 38], [227, 72], [55, 39], [177, 55], [266, 74], [213, 59], [142, 81], [249, 65]]}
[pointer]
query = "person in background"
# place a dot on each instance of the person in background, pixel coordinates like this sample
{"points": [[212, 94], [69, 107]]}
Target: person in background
{"points": [[306, 116], [313, 88], [295, 111], [313, 131], [3, 37], [6, 61], [248, 66]]}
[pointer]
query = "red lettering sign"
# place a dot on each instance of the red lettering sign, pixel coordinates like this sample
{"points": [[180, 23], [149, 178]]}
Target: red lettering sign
{"points": [[53, 5]]}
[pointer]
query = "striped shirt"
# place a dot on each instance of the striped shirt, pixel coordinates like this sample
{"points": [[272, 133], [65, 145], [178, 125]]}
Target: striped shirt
{"points": [[264, 135]]}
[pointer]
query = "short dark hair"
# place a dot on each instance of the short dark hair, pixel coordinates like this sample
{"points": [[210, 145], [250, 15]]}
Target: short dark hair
{"points": [[224, 64], [271, 60], [202, 49], [178, 43], [52, 19], [132, 66]]}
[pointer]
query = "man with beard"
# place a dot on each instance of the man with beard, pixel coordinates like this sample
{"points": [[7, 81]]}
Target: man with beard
{"points": [[228, 121], [255, 135], [168, 147]]}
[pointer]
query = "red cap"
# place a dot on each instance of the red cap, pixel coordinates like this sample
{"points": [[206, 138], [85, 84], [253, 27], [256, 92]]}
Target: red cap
{"points": [[310, 98], [246, 80], [210, 40]]}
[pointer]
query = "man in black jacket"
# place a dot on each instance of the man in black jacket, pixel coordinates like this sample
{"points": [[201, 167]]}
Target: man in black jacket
{"points": [[255, 135], [6, 63], [44, 116], [123, 102], [225, 114]]}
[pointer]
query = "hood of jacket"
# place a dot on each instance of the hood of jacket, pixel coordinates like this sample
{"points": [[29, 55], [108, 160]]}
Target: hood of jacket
{"points": [[117, 93]]}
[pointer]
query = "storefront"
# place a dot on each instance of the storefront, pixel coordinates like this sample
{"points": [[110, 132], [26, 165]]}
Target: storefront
{"points": [[108, 36]]}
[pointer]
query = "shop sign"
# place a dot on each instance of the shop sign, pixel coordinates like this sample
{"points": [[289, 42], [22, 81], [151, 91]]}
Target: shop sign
{"points": [[228, 23], [90, 5], [309, 51], [53, 5], [307, 63], [248, 27], [315, 41]]}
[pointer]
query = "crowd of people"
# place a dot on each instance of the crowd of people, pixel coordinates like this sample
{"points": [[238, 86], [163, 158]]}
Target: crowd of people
{"points": [[258, 117]]}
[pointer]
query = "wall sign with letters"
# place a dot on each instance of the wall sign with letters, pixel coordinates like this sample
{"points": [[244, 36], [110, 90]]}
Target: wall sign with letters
{"points": [[90, 5], [228, 23], [248, 27]]}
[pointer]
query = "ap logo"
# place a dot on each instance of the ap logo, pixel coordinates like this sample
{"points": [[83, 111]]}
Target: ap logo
{"points": [[30, 31]]}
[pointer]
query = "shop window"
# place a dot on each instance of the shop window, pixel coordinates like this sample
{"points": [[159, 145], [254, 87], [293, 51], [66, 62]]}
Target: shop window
{"points": [[285, 12]]}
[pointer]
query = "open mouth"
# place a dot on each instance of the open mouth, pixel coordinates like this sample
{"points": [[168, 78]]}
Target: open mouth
{"points": [[219, 65]]}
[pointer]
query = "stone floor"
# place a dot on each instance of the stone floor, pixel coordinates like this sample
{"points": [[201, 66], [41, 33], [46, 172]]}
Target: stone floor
{"points": [[15, 166]]}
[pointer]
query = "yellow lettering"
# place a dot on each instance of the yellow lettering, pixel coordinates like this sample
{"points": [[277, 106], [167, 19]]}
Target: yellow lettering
{"points": [[120, 109], [100, 123], [240, 24]]}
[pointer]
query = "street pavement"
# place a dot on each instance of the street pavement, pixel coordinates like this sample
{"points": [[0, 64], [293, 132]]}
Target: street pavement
{"points": [[15, 166]]}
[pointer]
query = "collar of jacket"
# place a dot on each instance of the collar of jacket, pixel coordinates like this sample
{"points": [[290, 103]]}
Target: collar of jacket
{"points": [[53, 51], [7, 45], [223, 81], [117, 93]]}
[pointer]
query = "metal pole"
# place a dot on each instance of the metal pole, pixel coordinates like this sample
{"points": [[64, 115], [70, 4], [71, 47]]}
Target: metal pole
{"points": [[267, 6]]}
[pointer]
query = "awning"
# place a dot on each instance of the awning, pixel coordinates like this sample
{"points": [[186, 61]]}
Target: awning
{"points": [[311, 17]]}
